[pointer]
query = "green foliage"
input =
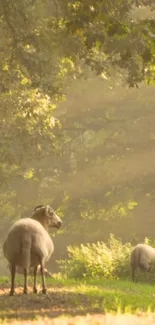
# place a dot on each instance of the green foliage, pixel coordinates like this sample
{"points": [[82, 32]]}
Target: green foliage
{"points": [[149, 241], [111, 260], [98, 259], [117, 211], [46, 47]]}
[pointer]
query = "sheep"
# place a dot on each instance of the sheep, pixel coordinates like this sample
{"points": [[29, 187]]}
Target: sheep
{"points": [[141, 256], [28, 244]]}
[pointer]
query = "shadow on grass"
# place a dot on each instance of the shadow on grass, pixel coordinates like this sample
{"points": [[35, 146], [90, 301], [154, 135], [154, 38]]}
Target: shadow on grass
{"points": [[58, 301]]}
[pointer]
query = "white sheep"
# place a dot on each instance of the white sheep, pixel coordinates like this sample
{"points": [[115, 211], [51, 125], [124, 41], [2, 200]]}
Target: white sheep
{"points": [[141, 256], [28, 244]]}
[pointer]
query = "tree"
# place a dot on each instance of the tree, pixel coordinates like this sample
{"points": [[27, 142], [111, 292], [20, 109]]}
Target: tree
{"points": [[46, 46], [49, 40]]}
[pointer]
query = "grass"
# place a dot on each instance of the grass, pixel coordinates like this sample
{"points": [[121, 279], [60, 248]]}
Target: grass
{"points": [[71, 298]]}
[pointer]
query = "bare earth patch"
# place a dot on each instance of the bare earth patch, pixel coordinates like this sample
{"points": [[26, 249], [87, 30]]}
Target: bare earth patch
{"points": [[58, 301]]}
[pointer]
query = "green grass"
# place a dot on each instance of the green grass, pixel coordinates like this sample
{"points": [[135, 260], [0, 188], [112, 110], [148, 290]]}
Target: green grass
{"points": [[111, 295], [71, 297]]}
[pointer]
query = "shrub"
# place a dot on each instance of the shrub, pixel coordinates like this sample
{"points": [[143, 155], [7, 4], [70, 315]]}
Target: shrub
{"points": [[110, 260]]}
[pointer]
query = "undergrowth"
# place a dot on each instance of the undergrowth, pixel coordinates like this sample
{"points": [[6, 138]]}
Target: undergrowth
{"points": [[111, 259]]}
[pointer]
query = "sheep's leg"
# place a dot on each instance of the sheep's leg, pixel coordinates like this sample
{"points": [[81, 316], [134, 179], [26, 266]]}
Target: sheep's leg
{"points": [[133, 273], [25, 281], [44, 290], [35, 279], [149, 268], [13, 272]]}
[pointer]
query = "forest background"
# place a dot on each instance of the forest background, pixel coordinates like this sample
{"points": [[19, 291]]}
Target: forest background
{"points": [[77, 117]]}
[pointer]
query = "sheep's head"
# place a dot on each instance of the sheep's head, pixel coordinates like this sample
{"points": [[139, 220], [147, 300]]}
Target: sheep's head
{"points": [[53, 218], [47, 216]]}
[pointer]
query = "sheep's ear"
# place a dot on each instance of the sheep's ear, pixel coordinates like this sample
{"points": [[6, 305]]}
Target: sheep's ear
{"points": [[47, 209], [38, 207]]}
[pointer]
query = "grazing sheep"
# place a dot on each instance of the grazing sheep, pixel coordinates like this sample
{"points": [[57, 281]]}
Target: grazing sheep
{"points": [[141, 256], [28, 244]]}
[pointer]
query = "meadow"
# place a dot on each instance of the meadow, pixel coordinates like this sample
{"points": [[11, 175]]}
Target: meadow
{"points": [[84, 301]]}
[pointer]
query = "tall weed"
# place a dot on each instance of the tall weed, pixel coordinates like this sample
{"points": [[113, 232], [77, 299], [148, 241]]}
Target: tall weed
{"points": [[110, 260]]}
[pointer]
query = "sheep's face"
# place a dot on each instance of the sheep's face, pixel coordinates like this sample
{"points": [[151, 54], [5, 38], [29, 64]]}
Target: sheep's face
{"points": [[53, 219]]}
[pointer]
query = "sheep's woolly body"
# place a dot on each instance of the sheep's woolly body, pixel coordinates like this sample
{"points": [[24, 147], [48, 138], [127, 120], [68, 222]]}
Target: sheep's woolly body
{"points": [[142, 255], [27, 243]]}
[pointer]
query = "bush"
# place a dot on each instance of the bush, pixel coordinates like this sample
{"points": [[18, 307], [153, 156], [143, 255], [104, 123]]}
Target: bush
{"points": [[110, 260]]}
